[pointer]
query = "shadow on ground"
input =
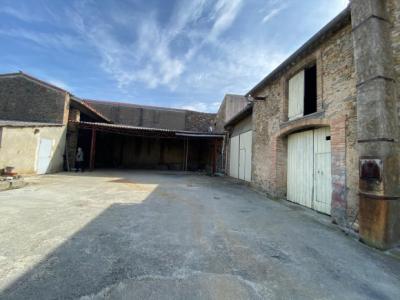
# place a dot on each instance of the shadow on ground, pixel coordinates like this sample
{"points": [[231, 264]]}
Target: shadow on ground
{"points": [[198, 238]]}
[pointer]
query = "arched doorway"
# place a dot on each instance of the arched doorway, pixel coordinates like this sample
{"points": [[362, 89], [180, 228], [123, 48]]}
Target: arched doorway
{"points": [[309, 180]]}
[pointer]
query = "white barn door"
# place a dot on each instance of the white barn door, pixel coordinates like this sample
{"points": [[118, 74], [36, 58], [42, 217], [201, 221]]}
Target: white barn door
{"points": [[234, 157], [44, 156], [300, 168], [245, 156], [322, 170], [309, 180], [296, 96]]}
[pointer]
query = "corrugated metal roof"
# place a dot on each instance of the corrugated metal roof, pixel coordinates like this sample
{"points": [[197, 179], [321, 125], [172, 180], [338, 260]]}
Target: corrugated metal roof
{"points": [[96, 124], [148, 129], [11, 123]]}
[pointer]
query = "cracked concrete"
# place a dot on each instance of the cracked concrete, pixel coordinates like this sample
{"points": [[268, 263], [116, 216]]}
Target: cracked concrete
{"points": [[164, 235]]}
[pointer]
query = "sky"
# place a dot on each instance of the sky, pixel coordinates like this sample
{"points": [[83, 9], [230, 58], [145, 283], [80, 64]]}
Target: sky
{"points": [[173, 53]]}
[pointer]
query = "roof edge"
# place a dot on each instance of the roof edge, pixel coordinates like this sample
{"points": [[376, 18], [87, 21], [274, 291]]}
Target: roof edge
{"points": [[335, 24], [91, 109], [109, 102], [37, 80], [245, 112], [181, 132]]}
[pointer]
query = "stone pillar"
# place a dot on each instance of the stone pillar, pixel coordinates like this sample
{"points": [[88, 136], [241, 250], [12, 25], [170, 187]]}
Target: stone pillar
{"points": [[378, 132]]}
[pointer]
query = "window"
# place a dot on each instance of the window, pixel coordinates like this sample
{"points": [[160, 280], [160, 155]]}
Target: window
{"points": [[310, 90], [303, 93]]}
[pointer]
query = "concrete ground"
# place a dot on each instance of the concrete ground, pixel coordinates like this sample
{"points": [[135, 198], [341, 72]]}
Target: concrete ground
{"points": [[164, 235]]}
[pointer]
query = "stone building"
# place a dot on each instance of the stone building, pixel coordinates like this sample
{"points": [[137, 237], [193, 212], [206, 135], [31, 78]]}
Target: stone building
{"points": [[320, 130], [324, 123], [42, 126], [33, 123]]}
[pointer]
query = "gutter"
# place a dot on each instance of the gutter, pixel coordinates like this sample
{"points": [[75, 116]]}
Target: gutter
{"points": [[337, 23]]}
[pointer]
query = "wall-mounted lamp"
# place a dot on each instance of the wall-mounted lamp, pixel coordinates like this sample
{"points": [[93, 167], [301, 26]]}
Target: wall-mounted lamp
{"points": [[251, 98]]}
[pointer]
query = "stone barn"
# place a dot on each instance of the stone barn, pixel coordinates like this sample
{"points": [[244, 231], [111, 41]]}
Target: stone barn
{"points": [[42, 124], [324, 123]]}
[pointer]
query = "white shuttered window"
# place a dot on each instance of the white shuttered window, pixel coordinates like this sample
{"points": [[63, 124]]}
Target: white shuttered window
{"points": [[296, 96]]}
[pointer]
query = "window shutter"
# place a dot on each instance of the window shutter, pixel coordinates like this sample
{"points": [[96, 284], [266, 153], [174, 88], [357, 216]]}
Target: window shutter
{"points": [[296, 96]]}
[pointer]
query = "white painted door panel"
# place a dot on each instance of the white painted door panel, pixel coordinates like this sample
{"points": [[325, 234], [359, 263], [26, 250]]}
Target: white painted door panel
{"points": [[296, 96], [242, 163], [234, 157], [300, 168], [322, 171], [309, 180], [44, 156], [245, 144]]}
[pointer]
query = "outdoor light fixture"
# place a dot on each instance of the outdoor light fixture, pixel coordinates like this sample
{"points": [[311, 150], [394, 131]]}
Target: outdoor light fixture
{"points": [[252, 99]]}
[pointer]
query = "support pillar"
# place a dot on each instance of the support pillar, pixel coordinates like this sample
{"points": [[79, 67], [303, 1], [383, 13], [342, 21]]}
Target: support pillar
{"points": [[378, 132], [92, 149], [214, 156]]}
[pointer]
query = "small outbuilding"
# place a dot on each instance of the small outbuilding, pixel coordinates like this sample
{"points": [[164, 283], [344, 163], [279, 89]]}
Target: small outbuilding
{"points": [[31, 147]]}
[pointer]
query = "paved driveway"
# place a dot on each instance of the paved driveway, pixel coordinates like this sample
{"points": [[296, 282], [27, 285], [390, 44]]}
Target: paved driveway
{"points": [[160, 235]]}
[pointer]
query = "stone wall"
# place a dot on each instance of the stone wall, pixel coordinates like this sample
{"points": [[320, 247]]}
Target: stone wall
{"points": [[375, 51], [22, 99], [154, 117], [197, 121], [393, 7], [336, 107]]}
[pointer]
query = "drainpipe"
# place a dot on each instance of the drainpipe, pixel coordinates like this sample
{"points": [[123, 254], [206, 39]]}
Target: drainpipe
{"points": [[377, 125]]}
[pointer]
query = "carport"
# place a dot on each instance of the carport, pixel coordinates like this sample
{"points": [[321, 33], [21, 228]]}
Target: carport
{"points": [[124, 146]]}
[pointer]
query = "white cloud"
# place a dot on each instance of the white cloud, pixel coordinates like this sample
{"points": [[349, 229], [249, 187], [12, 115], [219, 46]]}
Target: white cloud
{"points": [[21, 13], [239, 67], [225, 12], [59, 83], [151, 58], [273, 9], [201, 106], [49, 40], [271, 14]]}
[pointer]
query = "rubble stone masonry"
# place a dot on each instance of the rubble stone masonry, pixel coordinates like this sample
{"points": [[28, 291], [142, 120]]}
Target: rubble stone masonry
{"points": [[336, 107], [24, 100]]}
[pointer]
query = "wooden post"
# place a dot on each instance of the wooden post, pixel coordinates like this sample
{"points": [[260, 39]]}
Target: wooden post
{"points": [[92, 149], [214, 156], [186, 153]]}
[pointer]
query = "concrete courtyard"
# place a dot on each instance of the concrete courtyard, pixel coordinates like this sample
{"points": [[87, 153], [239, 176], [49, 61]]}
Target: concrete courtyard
{"points": [[166, 235]]}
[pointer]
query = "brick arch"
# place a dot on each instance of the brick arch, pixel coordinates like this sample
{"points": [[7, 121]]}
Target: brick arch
{"points": [[302, 124], [338, 150]]}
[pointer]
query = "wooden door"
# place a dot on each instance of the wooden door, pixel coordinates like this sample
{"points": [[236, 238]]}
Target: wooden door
{"points": [[296, 96], [44, 156], [245, 144], [322, 170], [300, 168], [234, 157]]}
